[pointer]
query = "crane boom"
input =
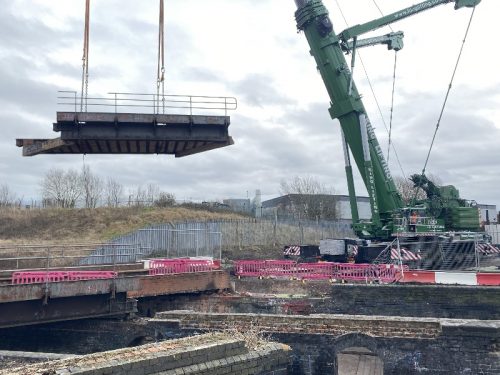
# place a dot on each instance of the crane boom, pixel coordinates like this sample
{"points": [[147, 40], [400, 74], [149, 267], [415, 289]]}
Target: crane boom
{"points": [[346, 106], [354, 31]]}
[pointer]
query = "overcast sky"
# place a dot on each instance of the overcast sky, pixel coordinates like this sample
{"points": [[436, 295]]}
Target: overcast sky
{"points": [[251, 50]]}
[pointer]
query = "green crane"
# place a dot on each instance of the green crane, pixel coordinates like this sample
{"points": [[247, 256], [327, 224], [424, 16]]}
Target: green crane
{"points": [[387, 207]]}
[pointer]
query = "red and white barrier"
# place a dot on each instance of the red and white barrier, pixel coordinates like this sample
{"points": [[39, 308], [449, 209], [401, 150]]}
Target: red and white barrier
{"points": [[421, 277], [487, 248], [404, 254], [384, 273], [451, 278], [34, 277]]}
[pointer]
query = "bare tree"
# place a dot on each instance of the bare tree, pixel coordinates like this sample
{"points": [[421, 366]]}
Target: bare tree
{"points": [[138, 197], [92, 187], [309, 198], [303, 185], [114, 193], [165, 200], [60, 188], [152, 192], [7, 197], [409, 192]]}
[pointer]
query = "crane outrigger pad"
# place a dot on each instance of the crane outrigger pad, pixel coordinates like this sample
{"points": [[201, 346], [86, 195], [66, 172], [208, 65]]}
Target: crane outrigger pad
{"points": [[132, 133]]}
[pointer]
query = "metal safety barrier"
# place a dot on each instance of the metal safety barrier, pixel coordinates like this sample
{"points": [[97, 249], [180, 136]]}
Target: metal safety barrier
{"points": [[172, 266], [279, 268], [354, 272], [316, 271], [386, 273], [250, 268], [389, 273], [35, 277]]}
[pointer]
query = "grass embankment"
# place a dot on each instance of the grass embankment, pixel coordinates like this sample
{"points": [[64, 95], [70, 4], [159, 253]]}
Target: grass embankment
{"points": [[90, 225]]}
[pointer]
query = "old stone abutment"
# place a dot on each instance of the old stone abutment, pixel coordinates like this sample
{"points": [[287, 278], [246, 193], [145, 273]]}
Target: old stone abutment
{"points": [[405, 345]]}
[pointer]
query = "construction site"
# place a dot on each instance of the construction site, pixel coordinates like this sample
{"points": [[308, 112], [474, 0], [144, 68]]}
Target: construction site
{"points": [[398, 276]]}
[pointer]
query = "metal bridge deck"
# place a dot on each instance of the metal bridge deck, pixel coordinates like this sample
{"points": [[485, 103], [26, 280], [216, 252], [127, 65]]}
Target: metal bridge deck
{"points": [[132, 133], [27, 304]]}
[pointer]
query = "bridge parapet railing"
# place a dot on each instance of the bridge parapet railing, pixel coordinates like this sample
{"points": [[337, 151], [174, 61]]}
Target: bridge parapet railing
{"points": [[49, 257], [126, 102]]}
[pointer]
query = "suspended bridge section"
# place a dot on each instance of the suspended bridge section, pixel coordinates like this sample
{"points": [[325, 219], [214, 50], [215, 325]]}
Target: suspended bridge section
{"points": [[127, 123]]}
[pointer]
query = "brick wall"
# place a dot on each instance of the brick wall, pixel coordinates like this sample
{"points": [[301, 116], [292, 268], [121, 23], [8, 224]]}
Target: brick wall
{"points": [[293, 297], [209, 354], [380, 326]]}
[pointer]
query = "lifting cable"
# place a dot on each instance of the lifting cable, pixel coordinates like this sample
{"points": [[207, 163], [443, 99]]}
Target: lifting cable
{"points": [[393, 89], [160, 74], [449, 89], [392, 105], [381, 13], [85, 60], [374, 96], [417, 190]]}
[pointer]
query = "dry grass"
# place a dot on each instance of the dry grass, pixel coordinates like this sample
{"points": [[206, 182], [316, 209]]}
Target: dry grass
{"points": [[83, 225], [251, 335]]}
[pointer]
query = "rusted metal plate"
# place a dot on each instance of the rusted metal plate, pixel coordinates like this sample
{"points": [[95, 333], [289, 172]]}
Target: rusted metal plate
{"points": [[135, 286], [180, 283], [26, 292], [24, 304], [117, 146], [60, 309], [43, 146]]}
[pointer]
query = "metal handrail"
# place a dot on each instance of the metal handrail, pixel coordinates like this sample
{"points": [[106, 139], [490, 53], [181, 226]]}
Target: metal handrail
{"points": [[66, 245], [48, 254], [158, 102]]}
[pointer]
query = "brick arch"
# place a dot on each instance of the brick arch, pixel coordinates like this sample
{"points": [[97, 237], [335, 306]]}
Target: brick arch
{"points": [[350, 340]]}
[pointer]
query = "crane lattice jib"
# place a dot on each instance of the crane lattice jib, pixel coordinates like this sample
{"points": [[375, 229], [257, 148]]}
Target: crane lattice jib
{"points": [[347, 106]]}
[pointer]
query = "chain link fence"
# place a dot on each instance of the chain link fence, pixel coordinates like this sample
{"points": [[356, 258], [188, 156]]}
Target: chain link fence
{"points": [[211, 238]]}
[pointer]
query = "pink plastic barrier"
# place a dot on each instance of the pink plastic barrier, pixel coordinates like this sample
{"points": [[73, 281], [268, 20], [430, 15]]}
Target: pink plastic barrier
{"points": [[354, 272], [265, 268], [386, 273], [252, 268], [316, 271], [171, 266], [279, 268], [34, 277]]}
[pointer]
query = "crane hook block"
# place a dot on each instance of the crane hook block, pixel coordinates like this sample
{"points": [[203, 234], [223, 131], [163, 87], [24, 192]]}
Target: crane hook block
{"points": [[466, 3]]}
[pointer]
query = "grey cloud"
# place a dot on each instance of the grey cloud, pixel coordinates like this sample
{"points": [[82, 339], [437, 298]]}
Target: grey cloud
{"points": [[258, 90], [465, 151], [200, 74]]}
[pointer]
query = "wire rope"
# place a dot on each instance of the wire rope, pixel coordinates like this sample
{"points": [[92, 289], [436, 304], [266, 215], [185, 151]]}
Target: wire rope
{"points": [[85, 59], [449, 90], [160, 74], [392, 105]]}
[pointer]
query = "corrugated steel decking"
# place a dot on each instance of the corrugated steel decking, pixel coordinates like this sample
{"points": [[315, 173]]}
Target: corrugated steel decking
{"points": [[132, 133]]}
